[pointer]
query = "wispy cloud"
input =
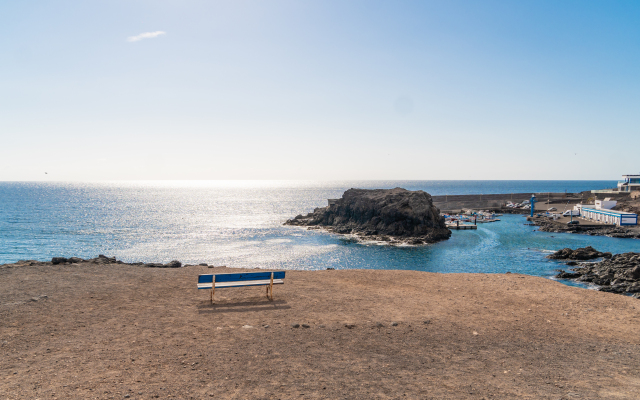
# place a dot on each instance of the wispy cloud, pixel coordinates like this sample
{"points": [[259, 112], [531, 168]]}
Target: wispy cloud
{"points": [[145, 35]]}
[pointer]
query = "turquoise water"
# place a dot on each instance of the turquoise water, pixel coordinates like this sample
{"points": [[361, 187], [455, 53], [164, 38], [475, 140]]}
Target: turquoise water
{"points": [[239, 224]]}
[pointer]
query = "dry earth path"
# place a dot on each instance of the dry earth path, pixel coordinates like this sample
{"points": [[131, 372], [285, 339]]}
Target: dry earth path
{"points": [[120, 331]]}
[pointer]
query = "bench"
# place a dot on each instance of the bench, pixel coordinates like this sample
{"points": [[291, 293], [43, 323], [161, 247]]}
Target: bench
{"points": [[268, 279]]}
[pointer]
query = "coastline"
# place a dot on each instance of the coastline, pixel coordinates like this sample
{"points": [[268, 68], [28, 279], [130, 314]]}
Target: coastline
{"points": [[107, 330]]}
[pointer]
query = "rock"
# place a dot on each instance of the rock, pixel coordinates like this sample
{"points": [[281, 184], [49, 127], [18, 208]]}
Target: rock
{"points": [[58, 260], [349, 325], [203, 264], [567, 275], [102, 259], [618, 273], [584, 253], [174, 264], [572, 263], [295, 325], [382, 214], [394, 324], [306, 326], [75, 260]]}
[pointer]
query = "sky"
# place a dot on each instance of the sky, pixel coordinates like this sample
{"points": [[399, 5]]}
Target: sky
{"points": [[319, 90]]}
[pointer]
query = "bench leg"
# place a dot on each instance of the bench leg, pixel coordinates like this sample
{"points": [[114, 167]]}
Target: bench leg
{"points": [[271, 287]]}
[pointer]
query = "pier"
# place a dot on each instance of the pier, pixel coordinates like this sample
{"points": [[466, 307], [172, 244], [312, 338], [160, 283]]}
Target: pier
{"points": [[461, 227]]}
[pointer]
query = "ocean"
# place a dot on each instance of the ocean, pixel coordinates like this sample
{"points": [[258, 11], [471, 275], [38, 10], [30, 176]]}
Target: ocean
{"points": [[239, 224]]}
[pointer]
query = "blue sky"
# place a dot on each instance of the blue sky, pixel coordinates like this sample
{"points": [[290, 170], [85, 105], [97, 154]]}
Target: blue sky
{"points": [[319, 90]]}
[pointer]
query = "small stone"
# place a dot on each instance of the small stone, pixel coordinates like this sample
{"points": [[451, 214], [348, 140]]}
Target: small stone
{"points": [[247, 326], [126, 396], [427, 322], [306, 326], [394, 324], [349, 326], [379, 325], [295, 325], [475, 333], [34, 299], [265, 326]]}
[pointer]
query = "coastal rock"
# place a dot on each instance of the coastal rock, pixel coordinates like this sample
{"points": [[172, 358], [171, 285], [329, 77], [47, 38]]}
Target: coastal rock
{"points": [[548, 225], [174, 264], [64, 260], [617, 274], [583, 253], [154, 265], [102, 259], [382, 214]]}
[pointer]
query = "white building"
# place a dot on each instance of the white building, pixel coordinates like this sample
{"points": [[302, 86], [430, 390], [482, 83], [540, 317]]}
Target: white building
{"points": [[631, 182], [605, 216], [606, 204]]}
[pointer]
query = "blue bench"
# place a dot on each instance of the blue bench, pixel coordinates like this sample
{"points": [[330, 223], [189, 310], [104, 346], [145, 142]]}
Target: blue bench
{"points": [[268, 279]]}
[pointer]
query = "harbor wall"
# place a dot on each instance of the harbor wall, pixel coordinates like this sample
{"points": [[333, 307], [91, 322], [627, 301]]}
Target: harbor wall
{"points": [[498, 201]]}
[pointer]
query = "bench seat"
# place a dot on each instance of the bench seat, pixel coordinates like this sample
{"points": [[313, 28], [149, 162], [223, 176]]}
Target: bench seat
{"points": [[228, 280], [240, 284]]}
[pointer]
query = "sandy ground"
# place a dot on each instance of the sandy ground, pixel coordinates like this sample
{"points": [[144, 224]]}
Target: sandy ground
{"points": [[118, 331]]}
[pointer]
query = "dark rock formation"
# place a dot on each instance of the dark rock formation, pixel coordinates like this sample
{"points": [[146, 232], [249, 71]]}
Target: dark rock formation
{"points": [[384, 214], [101, 259], [174, 264], [583, 253], [618, 274], [547, 225]]}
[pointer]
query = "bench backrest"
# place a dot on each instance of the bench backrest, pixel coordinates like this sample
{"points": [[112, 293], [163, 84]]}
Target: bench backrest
{"points": [[240, 277]]}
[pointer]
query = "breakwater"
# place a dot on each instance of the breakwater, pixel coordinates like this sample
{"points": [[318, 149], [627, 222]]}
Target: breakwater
{"points": [[498, 201]]}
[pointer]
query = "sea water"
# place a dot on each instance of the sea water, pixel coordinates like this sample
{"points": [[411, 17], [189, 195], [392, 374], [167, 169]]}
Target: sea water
{"points": [[240, 224]]}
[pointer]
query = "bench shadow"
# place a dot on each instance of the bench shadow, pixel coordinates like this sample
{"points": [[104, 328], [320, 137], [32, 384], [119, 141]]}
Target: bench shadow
{"points": [[242, 306]]}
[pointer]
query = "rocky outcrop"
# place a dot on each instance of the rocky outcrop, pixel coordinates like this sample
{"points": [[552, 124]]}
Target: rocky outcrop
{"points": [[393, 215], [547, 225], [618, 274], [101, 260], [583, 253]]}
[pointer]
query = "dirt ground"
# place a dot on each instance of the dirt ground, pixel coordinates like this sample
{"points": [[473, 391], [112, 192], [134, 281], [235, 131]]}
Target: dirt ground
{"points": [[119, 331]]}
